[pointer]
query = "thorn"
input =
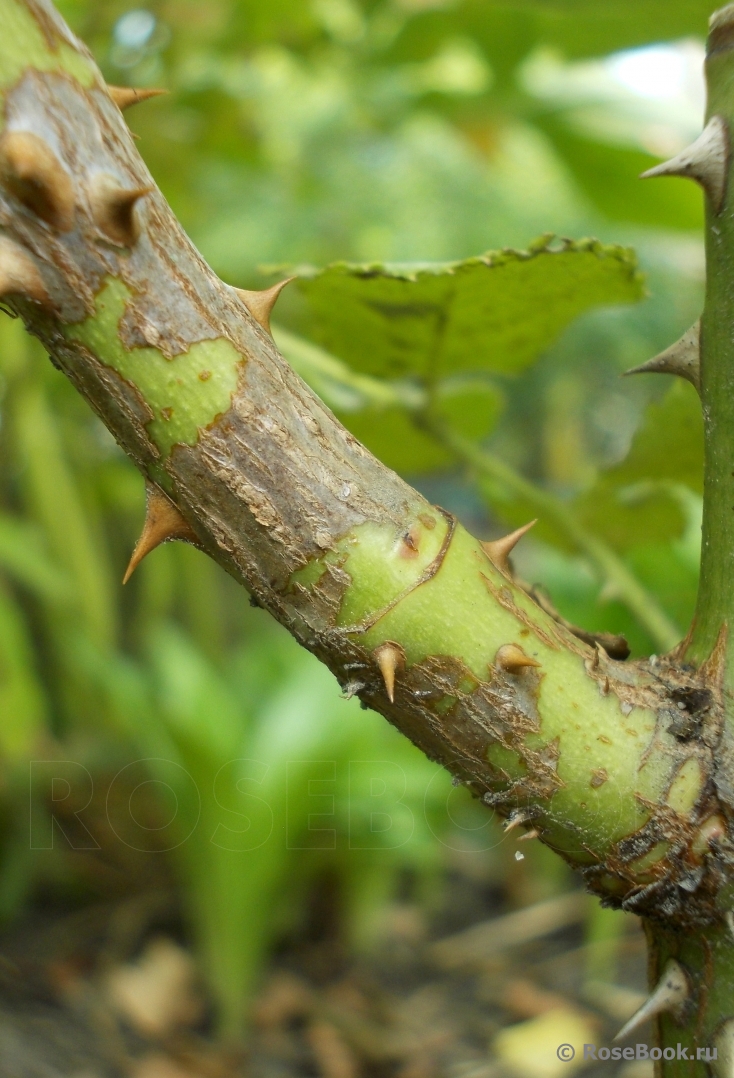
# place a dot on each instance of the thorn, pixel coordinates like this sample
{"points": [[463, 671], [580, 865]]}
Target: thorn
{"points": [[669, 996], [37, 178], [513, 659], [113, 209], [720, 30], [593, 662], [260, 304], [722, 1064], [729, 918], [528, 835], [722, 18], [126, 96], [682, 358], [19, 274], [514, 820], [706, 161], [389, 657], [498, 550], [163, 522]]}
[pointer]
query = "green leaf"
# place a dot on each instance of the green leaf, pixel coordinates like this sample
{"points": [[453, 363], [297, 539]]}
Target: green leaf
{"points": [[610, 177], [635, 503], [392, 435], [597, 27], [496, 312], [577, 28], [379, 412]]}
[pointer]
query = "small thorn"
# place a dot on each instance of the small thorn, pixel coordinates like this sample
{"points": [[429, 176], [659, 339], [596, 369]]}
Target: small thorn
{"points": [[528, 835], [729, 918], [126, 96], [682, 358], [595, 659], [722, 18], [669, 996], [260, 304], [163, 522], [513, 659], [721, 24], [389, 657], [19, 274], [514, 820], [722, 1043], [113, 209], [36, 177], [499, 550], [706, 161]]}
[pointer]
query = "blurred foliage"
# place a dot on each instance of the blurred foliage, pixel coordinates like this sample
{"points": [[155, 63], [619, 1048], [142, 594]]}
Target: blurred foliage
{"points": [[188, 736]]}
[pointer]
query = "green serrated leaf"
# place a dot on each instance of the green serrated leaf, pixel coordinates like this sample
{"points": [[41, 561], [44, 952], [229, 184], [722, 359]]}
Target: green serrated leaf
{"points": [[496, 312]]}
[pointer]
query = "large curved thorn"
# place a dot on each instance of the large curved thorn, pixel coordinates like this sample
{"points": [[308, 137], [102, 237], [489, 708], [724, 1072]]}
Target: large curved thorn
{"points": [[706, 161], [682, 358], [669, 995]]}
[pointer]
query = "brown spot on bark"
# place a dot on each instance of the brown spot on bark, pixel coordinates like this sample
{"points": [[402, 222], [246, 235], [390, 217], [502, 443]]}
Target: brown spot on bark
{"points": [[598, 777], [428, 574], [409, 547]]}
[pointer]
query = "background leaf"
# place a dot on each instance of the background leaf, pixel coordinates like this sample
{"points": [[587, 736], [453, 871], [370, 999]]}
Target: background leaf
{"points": [[635, 503], [495, 313]]}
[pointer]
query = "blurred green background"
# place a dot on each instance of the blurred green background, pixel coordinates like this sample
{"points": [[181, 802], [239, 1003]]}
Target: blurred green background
{"points": [[177, 737]]}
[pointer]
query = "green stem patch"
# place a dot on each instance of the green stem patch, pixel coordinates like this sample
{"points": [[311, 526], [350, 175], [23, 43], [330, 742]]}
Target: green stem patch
{"points": [[185, 393]]}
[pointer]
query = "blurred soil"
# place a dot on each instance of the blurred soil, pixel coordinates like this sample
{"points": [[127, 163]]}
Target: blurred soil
{"points": [[477, 990]]}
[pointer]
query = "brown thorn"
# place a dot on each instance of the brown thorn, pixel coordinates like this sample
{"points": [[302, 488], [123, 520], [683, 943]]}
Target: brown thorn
{"points": [[19, 274], [35, 175], [682, 359], [513, 659], [514, 820], [528, 835], [722, 19], [126, 96], [260, 304], [163, 522], [390, 657], [113, 209], [499, 550]]}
